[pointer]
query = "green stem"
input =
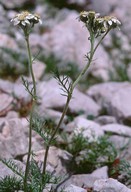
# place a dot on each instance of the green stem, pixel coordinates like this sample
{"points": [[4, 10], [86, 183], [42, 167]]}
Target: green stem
{"points": [[67, 104], [92, 52], [31, 114], [55, 131], [92, 41], [101, 40]]}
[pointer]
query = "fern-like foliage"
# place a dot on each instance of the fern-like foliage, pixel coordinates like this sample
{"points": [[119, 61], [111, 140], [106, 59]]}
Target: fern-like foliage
{"points": [[35, 177], [14, 167], [37, 181], [29, 87], [64, 82], [40, 126], [124, 169], [87, 156], [10, 184]]}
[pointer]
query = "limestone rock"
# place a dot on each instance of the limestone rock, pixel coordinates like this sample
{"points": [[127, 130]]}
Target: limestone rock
{"points": [[7, 41], [73, 188], [109, 185], [5, 171], [117, 129], [5, 103], [101, 173], [86, 180], [14, 3], [114, 97], [39, 69], [50, 94], [56, 160], [88, 128], [13, 141], [105, 119]]}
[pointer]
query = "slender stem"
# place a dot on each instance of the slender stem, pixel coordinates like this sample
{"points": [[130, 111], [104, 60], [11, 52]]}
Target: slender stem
{"points": [[92, 41], [67, 103], [55, 131], [32, 110], [101, 40], [92, 51]]}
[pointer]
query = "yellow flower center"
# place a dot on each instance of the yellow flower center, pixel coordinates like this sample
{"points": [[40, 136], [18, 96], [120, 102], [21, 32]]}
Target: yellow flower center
{"points": [[23, 15]]}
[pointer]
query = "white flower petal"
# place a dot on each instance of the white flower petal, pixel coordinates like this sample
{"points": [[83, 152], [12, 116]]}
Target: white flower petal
{"points": [[16, 21], [110, 22], [26, 21], [23, 23], [40, 21], [30, 16]]}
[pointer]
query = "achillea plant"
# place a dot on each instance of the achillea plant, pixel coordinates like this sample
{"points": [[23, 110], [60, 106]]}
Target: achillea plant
{"points": [[34, 179]]}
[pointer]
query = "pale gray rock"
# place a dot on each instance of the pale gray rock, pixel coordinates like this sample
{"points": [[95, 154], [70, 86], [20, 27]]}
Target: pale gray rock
{"points": [[101, 64], [5, 171], [123, 145], [4, 22], [118, 129], [50, 97], [74, 45], [21, 93], [12, 115], [54, 115], [13, 60], [6, 86], [13, 141], [104, 8], [120, 104], [39, 69], [7, 41], [14, 3], [114, 97], [89, 129], [105, 119], [78, 2], [104, 91], [80, 102], [72, 188], [56, 161], [5, 103], [86, 180], [120, 9], [109, 185], [101, 173]]}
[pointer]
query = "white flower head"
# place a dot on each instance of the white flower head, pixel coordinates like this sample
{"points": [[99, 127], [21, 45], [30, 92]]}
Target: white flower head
{"points": [[86, 16], [111, 22], [98, 25], [25, 19]]}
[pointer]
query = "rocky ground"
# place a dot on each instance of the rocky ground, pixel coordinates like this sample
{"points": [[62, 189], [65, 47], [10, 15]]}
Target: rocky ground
{"points": [[101, 104]]}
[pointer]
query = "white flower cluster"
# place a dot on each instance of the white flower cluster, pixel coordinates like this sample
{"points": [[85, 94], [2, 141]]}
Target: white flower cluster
{"points": [[25, 18], [96, 24]]}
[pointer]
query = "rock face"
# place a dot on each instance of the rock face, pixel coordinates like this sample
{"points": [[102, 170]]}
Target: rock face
{"points": [[89, 129], [115, 7], [76, 46], [5, 103], [14, 3], [56, 161], [114, 97], [109, 185], [13, 140], [7, 41], [73, 188], [64, 37], [50, 94], [117, 129]]}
